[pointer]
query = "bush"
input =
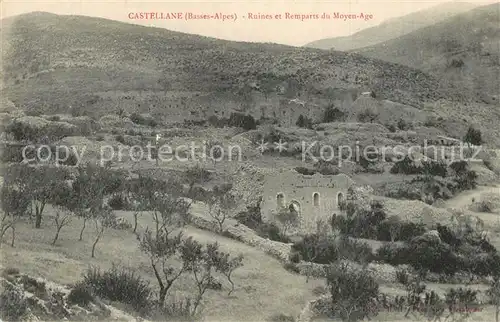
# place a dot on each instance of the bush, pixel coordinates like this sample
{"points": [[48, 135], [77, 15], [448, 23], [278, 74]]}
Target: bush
{"points": [[118, 202], [247, 122], [216, 122], [305, 171], [54, 118], [251, 217], [271, 231], [80, 295], [422, 253], [354, 292], [461, 299], [13, 304], [120, 138], [177, 310], [141, 120], [363, 225], [403, 125], [119, 284], [333, 115], [405, 166], [304, 122], [485, 206], [323, 249]]}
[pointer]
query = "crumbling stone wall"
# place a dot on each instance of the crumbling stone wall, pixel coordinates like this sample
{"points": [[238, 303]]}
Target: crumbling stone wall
{"points": [[316, 197]]}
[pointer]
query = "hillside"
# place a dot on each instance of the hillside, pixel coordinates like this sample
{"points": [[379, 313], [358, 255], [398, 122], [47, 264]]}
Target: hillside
{"points": [[462, 49], [394, 27], [92, 65]]}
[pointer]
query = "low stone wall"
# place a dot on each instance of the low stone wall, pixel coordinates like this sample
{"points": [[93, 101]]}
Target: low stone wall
{"points": [[246, 235], [383, 273]]}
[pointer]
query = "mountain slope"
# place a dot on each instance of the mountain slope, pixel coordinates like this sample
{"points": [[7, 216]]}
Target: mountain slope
{"points": [[393, 28], [53, 62], [463, 49]]}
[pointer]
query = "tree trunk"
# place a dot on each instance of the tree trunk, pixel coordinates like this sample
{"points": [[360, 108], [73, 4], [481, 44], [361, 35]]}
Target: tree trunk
{"points": [[39, 211], [497, 312], [95, 243], [57, 235], [38, 219], [135, 222], [162, 295], [13, 235], [83, 228]]}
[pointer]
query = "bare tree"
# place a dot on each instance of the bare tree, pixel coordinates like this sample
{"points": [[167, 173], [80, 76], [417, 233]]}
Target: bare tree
{"points": [[162, 243], [14, 204], [91, 185], [38, 183], [62, 218], [204, 263], [102, 220], [221, 204]]}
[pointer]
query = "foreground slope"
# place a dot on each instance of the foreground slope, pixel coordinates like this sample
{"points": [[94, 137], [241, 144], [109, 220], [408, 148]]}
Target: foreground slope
{"points": [[393, 28], [463, 49]]}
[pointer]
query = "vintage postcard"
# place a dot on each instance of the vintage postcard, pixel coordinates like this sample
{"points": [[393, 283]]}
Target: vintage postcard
{"points": [[242, 160]]}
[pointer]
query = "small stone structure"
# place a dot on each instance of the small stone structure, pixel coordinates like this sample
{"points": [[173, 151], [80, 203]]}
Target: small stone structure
{"points": [[314, 197]]}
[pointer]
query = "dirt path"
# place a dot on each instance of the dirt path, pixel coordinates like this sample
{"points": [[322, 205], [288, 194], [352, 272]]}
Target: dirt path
{"points": [[464, 199]]}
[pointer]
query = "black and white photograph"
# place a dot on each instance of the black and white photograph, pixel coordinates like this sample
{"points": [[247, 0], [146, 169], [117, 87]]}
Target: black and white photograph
{"points": [[243, 160]]}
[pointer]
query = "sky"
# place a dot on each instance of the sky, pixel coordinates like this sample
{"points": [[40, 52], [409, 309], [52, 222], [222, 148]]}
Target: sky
{"points": [[285, 31]]}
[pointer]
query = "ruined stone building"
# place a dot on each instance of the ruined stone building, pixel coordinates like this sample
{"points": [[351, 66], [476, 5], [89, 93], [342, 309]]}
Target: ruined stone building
{"points": [[313, 197]]}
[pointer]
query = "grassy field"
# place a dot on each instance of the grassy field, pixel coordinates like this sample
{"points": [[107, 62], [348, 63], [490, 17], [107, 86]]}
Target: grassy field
{"points": [[263, 287]]}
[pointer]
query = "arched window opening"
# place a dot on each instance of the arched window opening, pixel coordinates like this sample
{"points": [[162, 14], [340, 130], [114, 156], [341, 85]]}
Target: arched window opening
{"points": [[316, 199]]}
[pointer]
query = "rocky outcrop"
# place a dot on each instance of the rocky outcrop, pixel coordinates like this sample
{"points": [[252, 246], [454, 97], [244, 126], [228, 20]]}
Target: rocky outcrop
{"points": [[25, 298]]}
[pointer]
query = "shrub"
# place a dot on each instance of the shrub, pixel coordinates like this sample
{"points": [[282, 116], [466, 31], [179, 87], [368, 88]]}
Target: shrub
{"points": [[323, 249], [355, 250], [304, 122], [393, 253], [456, 63], [118, 202], [305, 171], [391, 127], [435, 168], [251, 217], [333, 115], [473, 136], [316, 248], [247, 122], [177, 310], [271, 231], [367, 116], [422, 253], [485, 206], [141, 120], [119, 284], [405, 166], [354, 292], [54, 118], [80, 294], [363, 225], [120, 138], [461, 299], [13, 304]]}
